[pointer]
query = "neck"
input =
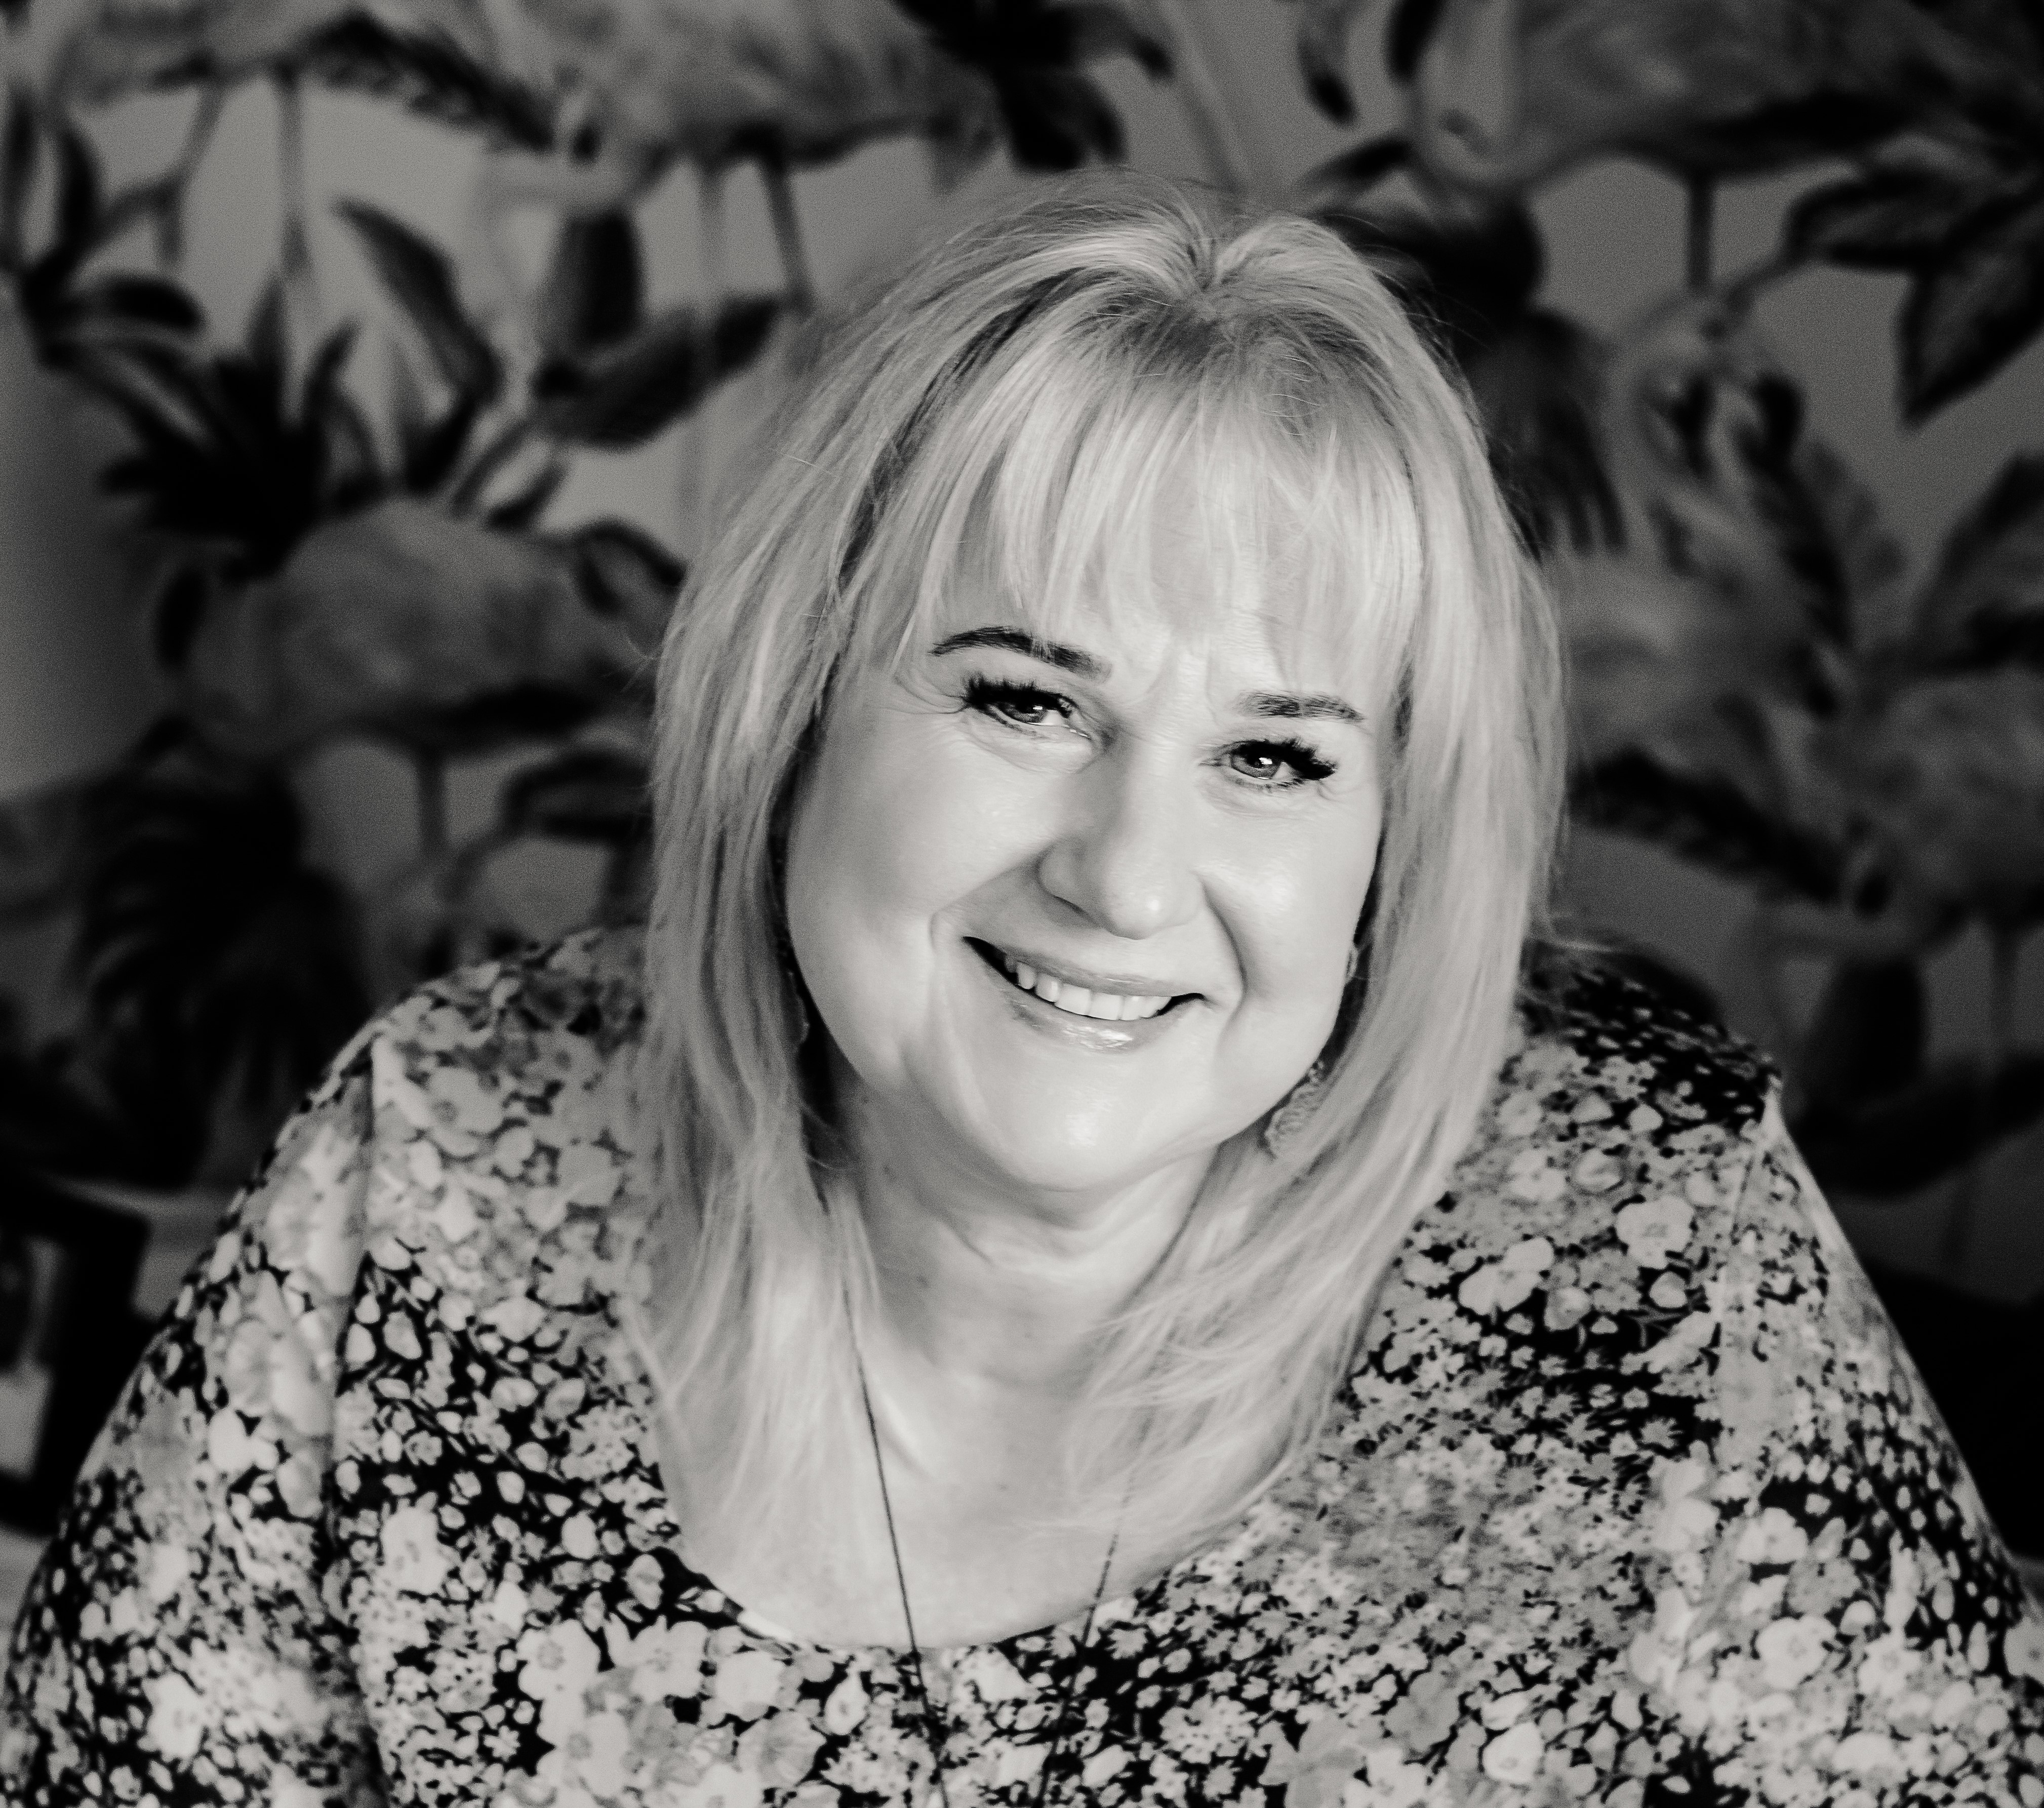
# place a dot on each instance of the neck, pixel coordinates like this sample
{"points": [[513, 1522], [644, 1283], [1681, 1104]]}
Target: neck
{"points": [[989, 1291]]}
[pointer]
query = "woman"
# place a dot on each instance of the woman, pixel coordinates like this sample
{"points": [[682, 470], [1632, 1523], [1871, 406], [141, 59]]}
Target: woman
{"points": [[1079, 1273]]}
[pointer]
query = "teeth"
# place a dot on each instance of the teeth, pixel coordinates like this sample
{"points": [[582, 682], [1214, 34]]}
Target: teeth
{"points": [[1078, 1000]]}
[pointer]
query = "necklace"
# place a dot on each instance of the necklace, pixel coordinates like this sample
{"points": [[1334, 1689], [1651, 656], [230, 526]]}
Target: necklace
{"points": [[932, 1732]]}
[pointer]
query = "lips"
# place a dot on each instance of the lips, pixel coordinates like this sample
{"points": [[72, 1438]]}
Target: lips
{"points": [[1103, 1001]]}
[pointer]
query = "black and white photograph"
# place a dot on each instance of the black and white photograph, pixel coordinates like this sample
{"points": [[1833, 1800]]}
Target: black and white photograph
{"points": [[32, 1290], [1022, 904]]}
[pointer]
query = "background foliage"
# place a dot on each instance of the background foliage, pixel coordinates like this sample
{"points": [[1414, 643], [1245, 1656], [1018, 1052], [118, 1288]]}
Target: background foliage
{"points": [[355, 530]]}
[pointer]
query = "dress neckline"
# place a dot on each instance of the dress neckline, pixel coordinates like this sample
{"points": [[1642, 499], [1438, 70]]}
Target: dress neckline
{"points": [[655, 1510]]}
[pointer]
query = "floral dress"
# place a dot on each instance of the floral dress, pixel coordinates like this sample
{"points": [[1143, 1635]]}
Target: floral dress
{"points": [[1631, 1498]]}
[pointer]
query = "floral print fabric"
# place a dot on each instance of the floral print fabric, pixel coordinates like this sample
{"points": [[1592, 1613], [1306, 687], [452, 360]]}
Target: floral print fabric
{"points": [[1631, 1497]]}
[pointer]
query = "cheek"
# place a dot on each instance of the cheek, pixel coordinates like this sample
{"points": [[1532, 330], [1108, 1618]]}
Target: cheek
{"points": [[894, 825], [1294, 914]]}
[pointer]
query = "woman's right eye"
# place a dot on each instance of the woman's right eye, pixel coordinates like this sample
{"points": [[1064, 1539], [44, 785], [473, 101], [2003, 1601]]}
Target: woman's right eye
{"points": [[1020, 706]]}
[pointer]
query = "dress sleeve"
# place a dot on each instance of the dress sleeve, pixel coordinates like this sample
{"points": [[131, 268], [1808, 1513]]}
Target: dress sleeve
{"points": [[1839, 1622], [180, 1642]]}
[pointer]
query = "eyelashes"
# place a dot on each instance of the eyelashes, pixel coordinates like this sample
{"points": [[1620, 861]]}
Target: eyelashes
{"points": [[1267, 763], [1007, 701]]}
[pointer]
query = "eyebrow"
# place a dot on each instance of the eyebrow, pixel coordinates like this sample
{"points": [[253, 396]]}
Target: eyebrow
{"points": [[1016, 640], [1283, 706]]}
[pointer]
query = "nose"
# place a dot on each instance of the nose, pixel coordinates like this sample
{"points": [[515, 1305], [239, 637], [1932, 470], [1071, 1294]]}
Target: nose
{"points": [[1127, 863]]}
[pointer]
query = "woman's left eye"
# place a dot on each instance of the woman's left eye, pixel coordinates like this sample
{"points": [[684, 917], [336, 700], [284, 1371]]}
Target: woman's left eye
{"points": [[1277, 765]]}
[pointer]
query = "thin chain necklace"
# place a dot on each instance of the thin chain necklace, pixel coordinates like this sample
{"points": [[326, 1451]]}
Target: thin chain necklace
{"points": [[933, 1732]]}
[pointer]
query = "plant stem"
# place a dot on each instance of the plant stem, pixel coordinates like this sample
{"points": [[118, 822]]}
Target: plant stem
{"points": [[788, 230], [294, 258], [1219, 127], [508, 443], [1701, 224], [431, 768], [177, 178], [691, 483], [2004, 951]]}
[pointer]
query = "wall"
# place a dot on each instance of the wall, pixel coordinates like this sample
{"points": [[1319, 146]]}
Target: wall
{"points": [[72, 683]]}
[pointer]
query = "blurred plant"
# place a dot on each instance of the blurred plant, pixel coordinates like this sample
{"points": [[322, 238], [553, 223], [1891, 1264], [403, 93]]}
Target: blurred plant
{"points": [[1756, 687], [327, 573]]}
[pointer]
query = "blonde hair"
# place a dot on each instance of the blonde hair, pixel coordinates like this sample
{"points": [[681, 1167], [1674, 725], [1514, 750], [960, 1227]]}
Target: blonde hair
{"points": [[1040, 373]]}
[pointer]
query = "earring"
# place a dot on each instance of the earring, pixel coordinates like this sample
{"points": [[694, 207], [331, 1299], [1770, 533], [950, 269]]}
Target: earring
{"points": [[791, 976], [1297, 1105], [1294, 1109]]}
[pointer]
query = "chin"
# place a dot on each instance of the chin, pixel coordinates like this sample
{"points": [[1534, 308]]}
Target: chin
{"points": [[1083, 1151]]}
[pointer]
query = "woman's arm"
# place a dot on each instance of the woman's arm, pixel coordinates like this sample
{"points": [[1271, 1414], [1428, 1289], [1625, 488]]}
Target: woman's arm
{"points": [[183, 1639], [1839, 1622]]}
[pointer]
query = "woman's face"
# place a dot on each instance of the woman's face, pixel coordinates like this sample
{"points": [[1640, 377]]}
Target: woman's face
{"points": [[1082, 910]]}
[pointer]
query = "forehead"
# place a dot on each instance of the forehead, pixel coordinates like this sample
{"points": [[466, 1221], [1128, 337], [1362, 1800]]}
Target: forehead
{"points": [[1167, 584], [1258, 552]]}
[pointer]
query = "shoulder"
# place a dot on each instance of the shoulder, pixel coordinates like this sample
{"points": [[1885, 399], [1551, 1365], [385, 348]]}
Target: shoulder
{"points": [[1604, 1184], [1587, 1031], [1607, 1093], [500, 1123], [501, 1016]]}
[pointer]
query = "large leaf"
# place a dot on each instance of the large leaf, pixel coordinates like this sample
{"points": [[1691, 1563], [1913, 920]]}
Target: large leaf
{"points": [[1506, 93], [2012, 30], [792, 85], [425, 70], [210, 953], [1948, 773], [1470, 277], [1849, 552], [520, 511], [1985, 602], [594, 294], [1033, 53], [1413, 24], [1887, 218], [1923, 1132], [585, 794], [76, 232], [1973, 305], [127, 303], [39, 844], [1722, 487], [56, 1117], [1868, 1037], [1323, 46], [624, 395], [1539, 385], [1473, 274], [223, 460], [1354, 172], [626, 575], [1958, 204], [21, 149], [1708, 821], [403, 621], [421, 279]]}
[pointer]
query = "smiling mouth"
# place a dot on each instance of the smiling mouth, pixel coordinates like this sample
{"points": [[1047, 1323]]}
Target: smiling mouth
{"points": [[1076, 1000]]}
